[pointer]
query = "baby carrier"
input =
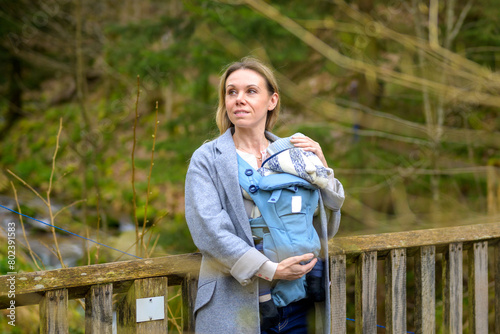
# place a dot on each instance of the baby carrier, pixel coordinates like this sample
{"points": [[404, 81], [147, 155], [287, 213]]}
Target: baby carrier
{"points": [[285, 228]]}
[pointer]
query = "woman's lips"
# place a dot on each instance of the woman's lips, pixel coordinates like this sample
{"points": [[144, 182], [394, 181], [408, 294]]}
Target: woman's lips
{"points": [[240, 112]]}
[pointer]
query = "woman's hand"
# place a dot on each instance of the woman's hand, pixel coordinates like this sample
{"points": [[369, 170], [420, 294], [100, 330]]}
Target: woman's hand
{"points": [[290, 268], [307, 144]]}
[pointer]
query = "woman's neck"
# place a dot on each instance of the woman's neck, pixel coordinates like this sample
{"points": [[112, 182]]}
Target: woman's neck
{"points": [[250, 141]]}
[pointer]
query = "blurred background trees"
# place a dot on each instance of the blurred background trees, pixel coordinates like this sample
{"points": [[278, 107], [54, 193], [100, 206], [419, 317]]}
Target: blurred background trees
{"points": [[402, 95]]}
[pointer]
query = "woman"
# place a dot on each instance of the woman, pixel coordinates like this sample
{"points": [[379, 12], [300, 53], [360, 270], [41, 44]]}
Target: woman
{"points": [[218, 215]]}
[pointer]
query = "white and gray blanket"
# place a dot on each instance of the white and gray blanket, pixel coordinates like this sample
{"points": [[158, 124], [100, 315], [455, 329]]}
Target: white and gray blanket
{"points": [[286, 158]]}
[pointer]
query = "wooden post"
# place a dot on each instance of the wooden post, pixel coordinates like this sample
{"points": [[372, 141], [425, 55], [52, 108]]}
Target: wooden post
{"points": [[338, 293], [127, 310], [99, 309], [425, 286], [189, 290], [54, 312], [478, 288], [496, 269], [366, 293], [395, 284], [125, 313], [453, 289], [153, 287]]}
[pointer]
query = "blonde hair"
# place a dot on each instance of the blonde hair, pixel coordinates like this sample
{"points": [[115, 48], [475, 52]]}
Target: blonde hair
{"points": [[248, 63]]}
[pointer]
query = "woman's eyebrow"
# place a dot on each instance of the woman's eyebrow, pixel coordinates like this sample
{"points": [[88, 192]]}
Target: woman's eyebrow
{"points": [[247, 86]]}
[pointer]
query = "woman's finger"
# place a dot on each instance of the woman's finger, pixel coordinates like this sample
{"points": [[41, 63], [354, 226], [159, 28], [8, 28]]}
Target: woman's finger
{"points": [[307, 144], [292, 267]]}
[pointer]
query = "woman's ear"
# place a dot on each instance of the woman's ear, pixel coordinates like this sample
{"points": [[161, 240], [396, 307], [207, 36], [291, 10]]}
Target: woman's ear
{"points": [[273, 101]]}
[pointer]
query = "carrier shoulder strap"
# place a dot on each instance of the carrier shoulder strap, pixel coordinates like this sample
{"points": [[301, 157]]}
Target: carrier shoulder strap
{"points": [[249, 179]]}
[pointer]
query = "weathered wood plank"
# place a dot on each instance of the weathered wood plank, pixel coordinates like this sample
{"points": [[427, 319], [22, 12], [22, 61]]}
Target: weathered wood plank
{"points": [[189, 291], [478, 288], [54, 312], [395, 282], [30, 286], [355, 245], [126, 312], [453, 289], [338, 293], [99, 309], [425, 286], [496, 270], [366, 293]]}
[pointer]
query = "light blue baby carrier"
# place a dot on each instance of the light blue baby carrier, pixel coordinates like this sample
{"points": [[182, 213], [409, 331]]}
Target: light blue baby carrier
{"points": [[287, 204]]}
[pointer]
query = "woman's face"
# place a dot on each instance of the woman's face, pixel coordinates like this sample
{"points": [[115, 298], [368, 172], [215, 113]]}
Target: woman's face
{"points": [[248, 100]]}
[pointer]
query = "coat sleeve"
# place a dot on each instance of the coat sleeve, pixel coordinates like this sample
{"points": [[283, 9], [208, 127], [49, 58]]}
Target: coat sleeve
{"points": [[333, 194], [210, 225], [333, 198]]}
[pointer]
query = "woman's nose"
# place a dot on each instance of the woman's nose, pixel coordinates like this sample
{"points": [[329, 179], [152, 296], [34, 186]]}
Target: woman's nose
{"points": [[240, 98]]}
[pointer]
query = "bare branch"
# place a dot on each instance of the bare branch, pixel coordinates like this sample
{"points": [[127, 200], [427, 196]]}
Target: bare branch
{"points": [[448, 92], [22, 226], [68, 206], [460, 21], [134, 194], [28, 186], [433, 23], [151, 164]]}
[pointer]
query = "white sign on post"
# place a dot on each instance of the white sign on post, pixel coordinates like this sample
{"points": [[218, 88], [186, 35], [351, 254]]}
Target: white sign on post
{"points": [[149, 309]]}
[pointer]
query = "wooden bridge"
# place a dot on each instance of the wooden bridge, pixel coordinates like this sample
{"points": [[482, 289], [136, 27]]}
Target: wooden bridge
{"points": [[364, 270]]}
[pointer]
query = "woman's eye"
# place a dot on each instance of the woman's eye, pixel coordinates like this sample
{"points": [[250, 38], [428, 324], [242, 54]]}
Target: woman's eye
{"points": [[252, 91], [231, 92]]}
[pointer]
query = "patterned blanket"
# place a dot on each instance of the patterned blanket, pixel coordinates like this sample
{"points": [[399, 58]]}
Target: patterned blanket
{"points": [[286, 158]]}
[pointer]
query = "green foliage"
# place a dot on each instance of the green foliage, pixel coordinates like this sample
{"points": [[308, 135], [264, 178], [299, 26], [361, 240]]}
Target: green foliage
{"points": [[178, 49], [184, 47]]}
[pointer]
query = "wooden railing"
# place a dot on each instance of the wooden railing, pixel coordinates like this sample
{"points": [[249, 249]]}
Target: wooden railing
{"points": [[97, 284], [394, 249], [355, 262]]}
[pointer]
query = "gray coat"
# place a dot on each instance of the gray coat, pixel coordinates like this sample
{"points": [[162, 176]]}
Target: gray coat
{"points": [[227, 298]]}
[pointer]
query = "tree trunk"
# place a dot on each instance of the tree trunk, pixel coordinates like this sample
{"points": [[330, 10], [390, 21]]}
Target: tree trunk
{"points": [[14, 111]]}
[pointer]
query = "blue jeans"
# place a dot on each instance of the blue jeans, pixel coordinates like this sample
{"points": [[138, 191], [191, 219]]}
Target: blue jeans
{"points": [[293, 318]]}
